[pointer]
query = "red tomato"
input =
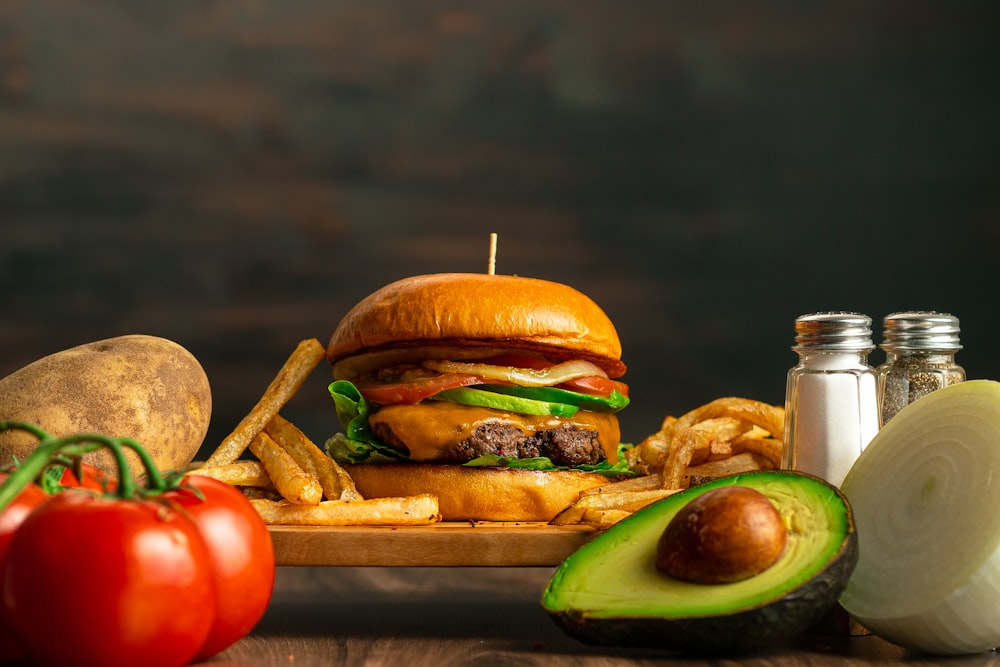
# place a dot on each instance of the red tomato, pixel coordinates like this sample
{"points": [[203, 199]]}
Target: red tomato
{"points": [[595, 385], [10, 520], [97, 581], [242, 556], [414, 391], [94, 478], [17, 511]]}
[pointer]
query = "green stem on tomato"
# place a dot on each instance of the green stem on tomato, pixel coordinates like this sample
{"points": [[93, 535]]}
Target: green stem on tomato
{"points": [[154, 480], [73, 446], [30, 467], [69, 450], [61, 462], [126, 483]]}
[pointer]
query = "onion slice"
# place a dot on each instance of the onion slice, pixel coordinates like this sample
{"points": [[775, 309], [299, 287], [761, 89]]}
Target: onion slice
{"points": [[926, 500], [526, 377]]}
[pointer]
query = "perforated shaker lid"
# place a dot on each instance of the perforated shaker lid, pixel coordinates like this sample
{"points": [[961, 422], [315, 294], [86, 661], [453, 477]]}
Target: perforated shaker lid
{"points": [[920, 330], [834, 331]]}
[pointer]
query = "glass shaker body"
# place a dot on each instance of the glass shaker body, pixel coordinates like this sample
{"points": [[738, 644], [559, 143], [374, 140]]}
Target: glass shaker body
{"points": [[920, 349], [831, 404]]}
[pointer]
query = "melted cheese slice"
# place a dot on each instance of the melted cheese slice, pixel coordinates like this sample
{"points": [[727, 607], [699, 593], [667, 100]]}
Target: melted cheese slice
{"points": [[432, 427]]}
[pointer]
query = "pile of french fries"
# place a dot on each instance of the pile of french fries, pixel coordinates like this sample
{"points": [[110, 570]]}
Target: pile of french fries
{"points": [[291, 481], [724, 437]]}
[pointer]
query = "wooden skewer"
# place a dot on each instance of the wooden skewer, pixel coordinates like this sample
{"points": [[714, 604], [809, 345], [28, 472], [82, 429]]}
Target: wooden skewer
{"points": [[492, 264]]}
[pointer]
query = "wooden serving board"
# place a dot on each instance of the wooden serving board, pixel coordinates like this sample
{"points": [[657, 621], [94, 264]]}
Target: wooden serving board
{"points": [[444, 544]]}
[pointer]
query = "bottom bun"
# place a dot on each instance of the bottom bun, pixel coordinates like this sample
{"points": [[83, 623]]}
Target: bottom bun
{"points": [[478, 494]]}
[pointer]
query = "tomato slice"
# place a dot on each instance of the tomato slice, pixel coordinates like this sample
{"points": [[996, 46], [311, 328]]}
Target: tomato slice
{"points": [[413, 391], [596, 385]]}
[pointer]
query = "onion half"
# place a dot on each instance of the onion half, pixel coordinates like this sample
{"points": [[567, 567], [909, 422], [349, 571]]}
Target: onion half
{"points": [[526, 377], [926, 500]]}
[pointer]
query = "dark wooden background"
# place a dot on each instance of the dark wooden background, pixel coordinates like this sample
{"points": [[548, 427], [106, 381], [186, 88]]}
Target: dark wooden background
{"points": [[235, 175]]}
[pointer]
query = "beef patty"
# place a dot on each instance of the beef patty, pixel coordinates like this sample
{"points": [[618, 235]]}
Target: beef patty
{"points": [[566, 445]]}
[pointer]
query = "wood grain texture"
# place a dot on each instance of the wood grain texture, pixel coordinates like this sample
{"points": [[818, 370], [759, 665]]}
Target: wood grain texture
{"points": [[443, 544], [480, 616]]}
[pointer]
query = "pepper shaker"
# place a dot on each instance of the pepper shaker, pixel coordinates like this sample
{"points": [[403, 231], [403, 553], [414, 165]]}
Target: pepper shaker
{"points": [[920, 349], [831, 407]]}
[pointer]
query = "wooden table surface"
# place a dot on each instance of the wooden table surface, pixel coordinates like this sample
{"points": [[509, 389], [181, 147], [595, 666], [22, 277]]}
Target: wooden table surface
{"points": [[476, 616]]}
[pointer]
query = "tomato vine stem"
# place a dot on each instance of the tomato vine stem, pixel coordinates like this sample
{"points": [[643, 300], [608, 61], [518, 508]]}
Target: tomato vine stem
{"points": [[73, 447]]}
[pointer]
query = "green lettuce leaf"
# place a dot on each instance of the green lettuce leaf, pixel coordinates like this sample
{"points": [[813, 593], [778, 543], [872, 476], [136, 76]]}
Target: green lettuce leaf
{"points": [[356, 444]]}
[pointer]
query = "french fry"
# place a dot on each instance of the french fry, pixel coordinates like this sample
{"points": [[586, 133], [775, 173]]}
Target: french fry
{"points": [[303, 360], [333, 478], [292, 482], [771, 418], [417, 510], [769, 448], [336, 483], [622, 501], [714, 437], [603, 519], [240, 473], [651, 453], [631, 501], [253, 493], [640, 483], [744, 462], [698, 439], [570, 516]]}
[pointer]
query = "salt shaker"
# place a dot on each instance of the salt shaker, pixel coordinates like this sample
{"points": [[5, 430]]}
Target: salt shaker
{"points": [[831, 407], [920, 349]]}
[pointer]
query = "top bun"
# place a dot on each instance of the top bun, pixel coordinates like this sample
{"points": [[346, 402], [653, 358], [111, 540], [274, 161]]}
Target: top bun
{"points": [[469, 315]]}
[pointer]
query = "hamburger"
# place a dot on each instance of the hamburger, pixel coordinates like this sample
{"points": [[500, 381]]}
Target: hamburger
{"points": [[499, 394]]}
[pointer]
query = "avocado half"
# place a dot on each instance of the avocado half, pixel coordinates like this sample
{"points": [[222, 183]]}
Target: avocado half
{"points": [[610, 593]]}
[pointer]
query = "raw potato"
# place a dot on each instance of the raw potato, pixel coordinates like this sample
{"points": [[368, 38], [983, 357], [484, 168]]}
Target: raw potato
{"points": [[142, 387]]}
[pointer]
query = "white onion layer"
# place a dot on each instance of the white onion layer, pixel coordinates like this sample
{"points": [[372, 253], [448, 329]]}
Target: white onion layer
{"points": [[526, 377], [925, 495]]}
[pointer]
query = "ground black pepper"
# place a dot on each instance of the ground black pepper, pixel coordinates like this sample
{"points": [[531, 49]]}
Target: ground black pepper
{"points": [[920, 349]]}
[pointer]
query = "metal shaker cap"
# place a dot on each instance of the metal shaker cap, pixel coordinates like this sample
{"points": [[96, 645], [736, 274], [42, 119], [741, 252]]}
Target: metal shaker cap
{"points": [[834, 331], [920, 330]]}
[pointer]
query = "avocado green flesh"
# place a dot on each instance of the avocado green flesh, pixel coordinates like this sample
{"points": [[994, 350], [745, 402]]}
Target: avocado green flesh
{"points": [[489, 399], [612, 403], [609, 591]]}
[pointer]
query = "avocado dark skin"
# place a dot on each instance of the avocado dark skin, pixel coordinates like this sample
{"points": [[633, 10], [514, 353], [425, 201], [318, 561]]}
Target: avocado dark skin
{"points": [[643, 607]]}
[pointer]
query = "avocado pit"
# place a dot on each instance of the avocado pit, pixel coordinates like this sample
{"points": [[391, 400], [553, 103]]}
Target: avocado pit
{"points": [[722, 536]]}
